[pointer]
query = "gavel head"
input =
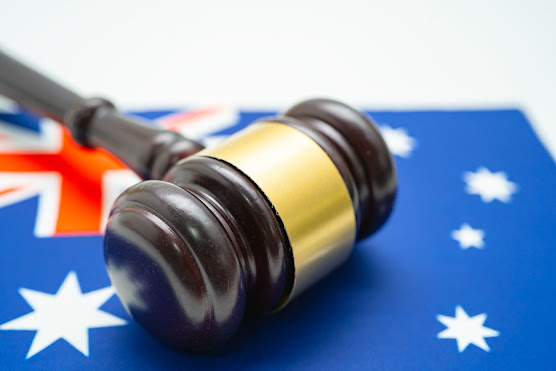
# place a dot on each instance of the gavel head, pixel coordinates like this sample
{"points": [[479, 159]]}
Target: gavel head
{"points": [[248, 225]]}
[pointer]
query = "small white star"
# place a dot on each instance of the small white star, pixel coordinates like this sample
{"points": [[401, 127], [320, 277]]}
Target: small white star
{"points": [[398, 141], [68, 315], [469, 237], [466, 330], [489, 185]]}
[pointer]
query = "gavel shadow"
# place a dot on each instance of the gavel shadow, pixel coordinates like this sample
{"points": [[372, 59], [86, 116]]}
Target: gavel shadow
{"points": [[317, 315]]}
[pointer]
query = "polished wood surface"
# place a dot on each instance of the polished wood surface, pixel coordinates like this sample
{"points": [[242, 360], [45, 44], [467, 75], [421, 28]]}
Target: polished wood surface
{"points": [[95, 122], [182, 299], [191, 252], [357, 140]]}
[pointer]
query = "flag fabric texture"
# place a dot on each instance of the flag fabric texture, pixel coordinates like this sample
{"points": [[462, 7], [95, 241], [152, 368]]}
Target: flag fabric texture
{"points": [[461, 276]]}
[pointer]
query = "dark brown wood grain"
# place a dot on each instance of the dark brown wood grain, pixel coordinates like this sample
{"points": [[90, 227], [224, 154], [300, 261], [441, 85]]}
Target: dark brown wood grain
{"points": [[191, 254], [357, 140], [95, 122], [240, 231], [148, 150]]}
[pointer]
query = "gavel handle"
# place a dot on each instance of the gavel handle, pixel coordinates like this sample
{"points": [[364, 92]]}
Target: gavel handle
{"points": [[95, 122], [35, 91]]}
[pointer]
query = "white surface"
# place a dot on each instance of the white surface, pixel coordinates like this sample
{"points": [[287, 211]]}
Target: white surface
{"points": [[396, 54]]}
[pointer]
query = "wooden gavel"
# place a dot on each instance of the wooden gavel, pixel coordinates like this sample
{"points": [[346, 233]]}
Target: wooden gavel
{"points": [[242, 227]]}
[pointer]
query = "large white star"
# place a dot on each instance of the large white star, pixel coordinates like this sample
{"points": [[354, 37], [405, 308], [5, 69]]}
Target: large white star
{"points": [[469, 237], [68, 315], [489, 185], [466, 330], [398, 141]]}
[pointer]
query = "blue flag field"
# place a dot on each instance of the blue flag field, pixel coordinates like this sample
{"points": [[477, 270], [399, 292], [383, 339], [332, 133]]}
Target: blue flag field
{"points": [[462, 275]]}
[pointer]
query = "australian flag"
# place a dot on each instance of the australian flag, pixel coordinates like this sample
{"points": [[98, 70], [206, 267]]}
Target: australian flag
{"points": [[463, 275]]}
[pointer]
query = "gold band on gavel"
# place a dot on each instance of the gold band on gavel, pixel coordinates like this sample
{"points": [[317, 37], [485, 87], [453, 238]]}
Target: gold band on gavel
{"points": [[305, 188]]}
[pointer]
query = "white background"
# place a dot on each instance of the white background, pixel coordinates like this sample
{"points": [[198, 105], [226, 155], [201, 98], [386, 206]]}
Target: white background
{"points": [[391, 54]]}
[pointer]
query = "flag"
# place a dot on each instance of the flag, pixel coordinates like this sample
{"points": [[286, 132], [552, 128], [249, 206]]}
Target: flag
{"points": [[461, 276]]}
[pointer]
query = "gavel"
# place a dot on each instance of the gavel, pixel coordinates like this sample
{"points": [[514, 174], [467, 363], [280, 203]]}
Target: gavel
{"points": [[243, 227]]}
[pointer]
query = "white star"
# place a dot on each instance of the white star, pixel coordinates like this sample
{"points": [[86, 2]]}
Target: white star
{"points": [[398, 141], [466, 330], [68, 315], [469, 237], [489, 185]]}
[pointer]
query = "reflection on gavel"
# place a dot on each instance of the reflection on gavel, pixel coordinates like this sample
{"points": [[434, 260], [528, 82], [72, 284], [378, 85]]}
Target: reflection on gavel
{"points": [[243, 227]]}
